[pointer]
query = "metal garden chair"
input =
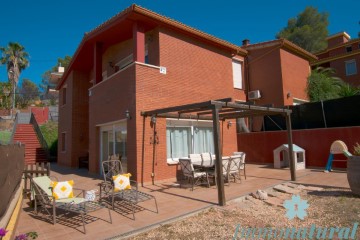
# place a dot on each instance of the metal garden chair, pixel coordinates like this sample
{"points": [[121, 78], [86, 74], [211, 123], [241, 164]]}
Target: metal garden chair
{"points": [[133, 196], [196, 177], [41, 192]]}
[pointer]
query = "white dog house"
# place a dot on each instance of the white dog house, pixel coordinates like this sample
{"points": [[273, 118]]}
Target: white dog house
{"points": [[281, 156]]}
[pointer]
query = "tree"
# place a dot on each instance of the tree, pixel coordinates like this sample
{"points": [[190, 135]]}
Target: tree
{"points": [[322, 85], [28, 93], [308, 30], [346, 90], [16, 60], [45, 81], [5, 89]]}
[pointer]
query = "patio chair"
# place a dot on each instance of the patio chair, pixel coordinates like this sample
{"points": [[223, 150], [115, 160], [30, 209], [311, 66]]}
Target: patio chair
{"points": [[196, 158], [242, 164], [41, 191], [234, 167], [196, 177], [133, 196], [225, 169], [207, 158]]}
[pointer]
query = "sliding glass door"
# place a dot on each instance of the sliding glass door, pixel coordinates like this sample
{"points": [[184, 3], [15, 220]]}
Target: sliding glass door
{"points": [[113, 142]]}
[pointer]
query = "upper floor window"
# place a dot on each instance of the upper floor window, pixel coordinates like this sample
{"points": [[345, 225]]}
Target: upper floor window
{"points": [[350, 67], [237, 73], [348, 48], [63, 96]]}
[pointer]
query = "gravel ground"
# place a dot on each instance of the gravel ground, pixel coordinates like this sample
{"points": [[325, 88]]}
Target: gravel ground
{"points": [[331, 207]]}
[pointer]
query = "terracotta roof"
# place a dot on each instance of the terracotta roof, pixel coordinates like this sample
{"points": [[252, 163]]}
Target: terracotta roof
{"points": [[339, 56], [157, 17], [352, 41], [286, 44]]}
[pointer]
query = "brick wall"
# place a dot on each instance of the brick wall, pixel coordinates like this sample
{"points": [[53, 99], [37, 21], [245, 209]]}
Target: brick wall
{"points": [[316, 142], [195, 72], [295, 71], [339, 66], [65, 122], [108, 102]]}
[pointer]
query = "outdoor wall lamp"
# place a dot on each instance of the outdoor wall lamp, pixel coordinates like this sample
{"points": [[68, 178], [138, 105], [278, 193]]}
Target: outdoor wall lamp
{"points": [[153, 119], [288, 95], [127, 114], [229, 124]]}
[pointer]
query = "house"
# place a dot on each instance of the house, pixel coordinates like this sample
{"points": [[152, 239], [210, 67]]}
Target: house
{"points": [[138, 61], [343, 55], [278, 69], [277, 73]]}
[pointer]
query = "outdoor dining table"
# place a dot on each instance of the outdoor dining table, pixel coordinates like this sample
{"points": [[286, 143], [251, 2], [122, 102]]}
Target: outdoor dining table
{"points": [[208, 165]]}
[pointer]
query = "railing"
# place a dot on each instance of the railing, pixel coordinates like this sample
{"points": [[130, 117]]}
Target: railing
{"points": [[39, 135], [16, 120]]}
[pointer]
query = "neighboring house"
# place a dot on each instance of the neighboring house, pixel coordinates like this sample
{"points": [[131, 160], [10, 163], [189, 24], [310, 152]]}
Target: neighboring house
{"points": [[138, 61], [277, 73], [279, 70], [343, 55]]}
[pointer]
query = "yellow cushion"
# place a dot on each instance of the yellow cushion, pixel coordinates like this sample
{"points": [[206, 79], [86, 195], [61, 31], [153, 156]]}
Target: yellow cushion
{"points": [[61, 190], [121, 182]]}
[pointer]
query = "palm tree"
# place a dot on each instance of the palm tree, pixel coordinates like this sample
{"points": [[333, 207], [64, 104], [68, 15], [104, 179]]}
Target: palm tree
{"points": [[16, 60], [323, 85]]}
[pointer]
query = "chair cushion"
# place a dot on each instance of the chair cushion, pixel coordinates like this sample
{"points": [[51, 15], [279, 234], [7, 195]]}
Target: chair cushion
{"points": [[61, 190], [122, 182]]}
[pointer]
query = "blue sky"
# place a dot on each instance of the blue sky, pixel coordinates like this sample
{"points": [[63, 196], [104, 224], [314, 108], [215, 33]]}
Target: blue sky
{"points": [[52, 29]]}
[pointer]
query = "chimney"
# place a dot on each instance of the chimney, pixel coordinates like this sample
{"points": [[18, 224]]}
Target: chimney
{"points": [[245, 42], [337, 39]]}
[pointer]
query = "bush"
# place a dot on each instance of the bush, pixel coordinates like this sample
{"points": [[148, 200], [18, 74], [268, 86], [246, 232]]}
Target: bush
{"points": [[50, 133]]}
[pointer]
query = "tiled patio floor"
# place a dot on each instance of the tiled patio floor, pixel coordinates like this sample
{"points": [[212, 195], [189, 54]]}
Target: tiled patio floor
{"points": [[173, 202]]}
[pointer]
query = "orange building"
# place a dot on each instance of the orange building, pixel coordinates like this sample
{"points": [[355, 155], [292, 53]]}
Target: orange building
{"points": [[343, 55], [138, 61]]}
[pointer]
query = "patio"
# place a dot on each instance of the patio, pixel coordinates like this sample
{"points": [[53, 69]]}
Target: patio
{"points": [[173, 202]]}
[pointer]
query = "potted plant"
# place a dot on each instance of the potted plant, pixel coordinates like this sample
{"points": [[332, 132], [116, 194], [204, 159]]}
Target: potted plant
{"points": [[353, 170]]}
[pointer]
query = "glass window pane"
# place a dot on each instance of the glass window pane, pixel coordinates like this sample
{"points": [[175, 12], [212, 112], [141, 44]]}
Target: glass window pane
{"points": [[178, 142], [203, 140]]}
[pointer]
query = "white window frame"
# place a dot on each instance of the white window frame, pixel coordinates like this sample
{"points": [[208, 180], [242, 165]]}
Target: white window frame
{"points": [[346, 67], [237, 83], [193, 124]]}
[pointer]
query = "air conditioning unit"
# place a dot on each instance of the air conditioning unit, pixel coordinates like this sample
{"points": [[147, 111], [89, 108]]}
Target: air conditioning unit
{"points": [[254, 95]]}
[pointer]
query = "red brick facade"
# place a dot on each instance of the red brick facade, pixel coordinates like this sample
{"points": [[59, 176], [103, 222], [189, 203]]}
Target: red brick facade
{"points": [[341, 50], [198, 68]]}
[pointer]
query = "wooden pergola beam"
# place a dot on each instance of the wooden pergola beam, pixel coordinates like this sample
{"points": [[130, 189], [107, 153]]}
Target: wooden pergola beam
{"points": [[193, 107], [221, 110]]}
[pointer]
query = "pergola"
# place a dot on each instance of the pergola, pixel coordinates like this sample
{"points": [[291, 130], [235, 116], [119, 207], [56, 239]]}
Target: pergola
{"points": [[220, 110]]}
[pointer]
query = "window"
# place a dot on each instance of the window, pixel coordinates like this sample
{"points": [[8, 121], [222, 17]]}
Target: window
{"points": [[237, 73], [147, 53], [348, 49], [63, 95], [185, 137], [350, 67], [63, 141]]}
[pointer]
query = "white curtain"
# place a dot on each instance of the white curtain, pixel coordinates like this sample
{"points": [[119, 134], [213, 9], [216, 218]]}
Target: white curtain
{"points": [[203, 140], [178, 140]]}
